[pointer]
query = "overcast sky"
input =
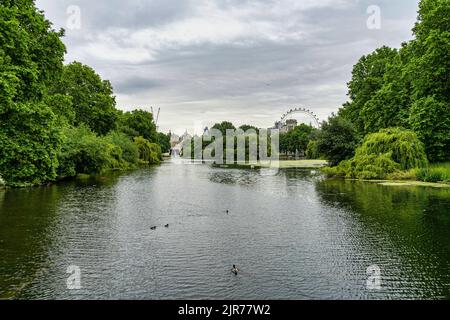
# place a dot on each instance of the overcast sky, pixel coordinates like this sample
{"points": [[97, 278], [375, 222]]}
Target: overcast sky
{"points": [[244, 61]]}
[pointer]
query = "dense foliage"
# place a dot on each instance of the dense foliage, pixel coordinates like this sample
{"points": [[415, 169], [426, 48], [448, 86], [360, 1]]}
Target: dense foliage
{"points": [[383, 153], [31, 58], [337, 139], [56, 120], [296, 140]]}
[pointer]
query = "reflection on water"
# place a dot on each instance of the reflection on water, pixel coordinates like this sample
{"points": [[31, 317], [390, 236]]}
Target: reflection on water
{"points": [[294, 234]]}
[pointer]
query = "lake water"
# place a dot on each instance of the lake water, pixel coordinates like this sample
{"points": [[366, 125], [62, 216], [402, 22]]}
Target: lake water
{"points": [[293, 234]]}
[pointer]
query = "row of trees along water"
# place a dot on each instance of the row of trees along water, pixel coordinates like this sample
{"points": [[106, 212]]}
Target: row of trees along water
{"points": [[60, 120]]}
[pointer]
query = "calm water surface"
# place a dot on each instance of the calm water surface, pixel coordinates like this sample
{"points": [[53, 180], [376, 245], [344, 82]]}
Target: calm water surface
{"points": [[294, 234]]}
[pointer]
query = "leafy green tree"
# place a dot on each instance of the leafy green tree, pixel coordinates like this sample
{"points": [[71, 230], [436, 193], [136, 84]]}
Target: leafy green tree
{"points": [[384, 153], [82, 152], [297, 139], [311, 150], [139, 123], [247, 127], [29, 143], [429, 72], [367, 79], [92, 98], [62, 107], [31, 58], [430, 119], [164, 142], [337, 139], [223, 127], [149, 153]]}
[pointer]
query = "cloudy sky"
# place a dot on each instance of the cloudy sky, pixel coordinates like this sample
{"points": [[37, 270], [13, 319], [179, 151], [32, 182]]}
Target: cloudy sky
{"points": [[246, 61]]}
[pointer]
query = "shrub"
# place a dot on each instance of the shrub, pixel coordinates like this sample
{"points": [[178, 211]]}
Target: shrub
{"points": [[130, 151], [383, 154], [83, 152], [149, 153], [404, 146], [434, 173], [363, 166], [29, 144]]}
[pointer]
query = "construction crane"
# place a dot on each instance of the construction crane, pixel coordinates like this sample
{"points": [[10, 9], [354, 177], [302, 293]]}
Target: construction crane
{"points": [[157, 117]]}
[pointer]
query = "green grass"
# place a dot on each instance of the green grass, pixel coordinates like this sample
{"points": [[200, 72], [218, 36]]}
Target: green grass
{"points": [[282, 164], [438, 172]]}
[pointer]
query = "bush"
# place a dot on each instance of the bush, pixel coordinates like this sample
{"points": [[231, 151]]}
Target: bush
{"points": [[363, 166], [29, 144], [149, 153], [84, 152], [404, 146], [130, 151], [410, 174], [383, 154], [434, 173]]}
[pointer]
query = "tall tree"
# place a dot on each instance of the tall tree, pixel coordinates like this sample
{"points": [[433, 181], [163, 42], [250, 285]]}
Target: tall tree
{"points": [[92, 98], [367, 78], [31, 58], [139, 123], [337, 139]]}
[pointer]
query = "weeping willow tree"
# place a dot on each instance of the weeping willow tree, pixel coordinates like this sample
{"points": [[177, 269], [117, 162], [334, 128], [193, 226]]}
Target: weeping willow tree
{"points": [[149, 153], [404, 147], [383, 153]]}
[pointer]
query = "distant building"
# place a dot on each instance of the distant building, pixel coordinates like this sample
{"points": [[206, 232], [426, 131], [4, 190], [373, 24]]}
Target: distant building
{"points": [[290, 125]]}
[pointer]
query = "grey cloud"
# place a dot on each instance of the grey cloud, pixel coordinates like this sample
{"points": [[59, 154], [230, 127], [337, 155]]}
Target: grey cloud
{"points": [[266, 58]]}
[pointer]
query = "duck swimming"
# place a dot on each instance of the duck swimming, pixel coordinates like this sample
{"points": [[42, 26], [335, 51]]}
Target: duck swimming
{"points": [[235, 270], [167, 225], [153, 228]]}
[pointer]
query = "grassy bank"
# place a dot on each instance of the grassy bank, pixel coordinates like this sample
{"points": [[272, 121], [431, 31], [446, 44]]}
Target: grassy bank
{"points": [[282, 164], [437, 174]]}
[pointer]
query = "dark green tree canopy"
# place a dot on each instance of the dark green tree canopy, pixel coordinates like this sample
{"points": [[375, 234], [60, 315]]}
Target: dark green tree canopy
{"points": [[31, 57], [337, 139], [224, 126], [139, 123], [92, 98]]}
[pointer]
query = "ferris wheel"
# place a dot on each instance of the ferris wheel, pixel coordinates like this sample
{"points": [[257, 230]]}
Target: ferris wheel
{"points": [[302, 111]]}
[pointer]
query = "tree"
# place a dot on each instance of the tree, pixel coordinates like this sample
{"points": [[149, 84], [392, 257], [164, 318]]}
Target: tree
{"points": [[247, 127], [139, 123], [223, 127], [164, 142], [383, 153], [31, 58], [297, 139], [337, 139], [92, 98], [430, 119], [149, 153], [367, 78]]}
